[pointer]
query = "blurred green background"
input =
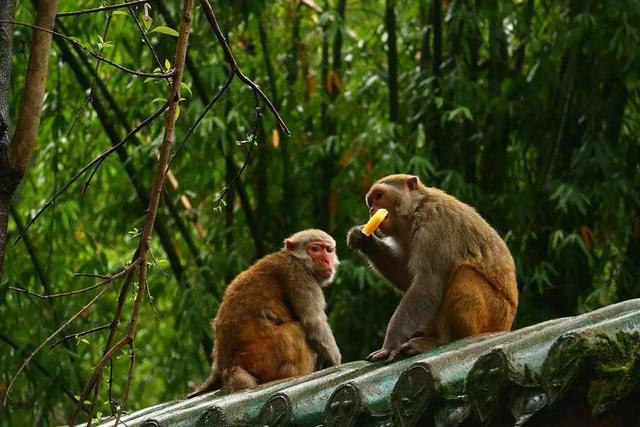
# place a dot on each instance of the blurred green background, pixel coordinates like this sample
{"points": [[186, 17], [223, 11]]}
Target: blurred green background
{"points": [[527, 110]]}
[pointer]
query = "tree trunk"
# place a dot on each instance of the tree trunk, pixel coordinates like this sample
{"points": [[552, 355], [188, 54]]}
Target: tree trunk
{"points": [[7, 11], [142, 193], [392, 61], [425, 30], [493, 170], [439, 150], [15, 158]]}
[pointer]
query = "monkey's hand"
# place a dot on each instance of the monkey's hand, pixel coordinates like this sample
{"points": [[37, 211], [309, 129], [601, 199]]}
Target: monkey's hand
{"points": [[322, 340], [329, 353], [333, 356], [356, 239]]}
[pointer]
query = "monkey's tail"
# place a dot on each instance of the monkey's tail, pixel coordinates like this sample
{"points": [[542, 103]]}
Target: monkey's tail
{"points": [[212, 383]]}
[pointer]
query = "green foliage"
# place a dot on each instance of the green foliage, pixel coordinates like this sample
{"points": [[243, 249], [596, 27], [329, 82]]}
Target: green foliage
{"points": [[531, 116]]}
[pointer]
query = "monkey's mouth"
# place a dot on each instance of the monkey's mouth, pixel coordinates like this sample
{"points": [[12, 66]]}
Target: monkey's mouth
{"points": [[325, 272], [383, 224]]}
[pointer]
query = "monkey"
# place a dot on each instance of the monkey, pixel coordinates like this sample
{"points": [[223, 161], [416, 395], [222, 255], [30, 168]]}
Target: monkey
{"points": [[271, 323], [456, 272]]}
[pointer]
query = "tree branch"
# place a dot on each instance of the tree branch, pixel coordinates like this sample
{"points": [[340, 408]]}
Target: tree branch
{"points": [[79, 334], [142, 253], [97, 161], [40, 29], [213, 22], [103, 8], [50, 337]]}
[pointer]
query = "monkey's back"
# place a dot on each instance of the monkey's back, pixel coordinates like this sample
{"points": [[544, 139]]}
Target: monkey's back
{"points": [[253, 311], [478, 244]]}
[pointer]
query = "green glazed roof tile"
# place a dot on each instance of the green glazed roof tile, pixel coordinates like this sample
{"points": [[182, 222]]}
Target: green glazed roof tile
{"points": [[510, 376]]}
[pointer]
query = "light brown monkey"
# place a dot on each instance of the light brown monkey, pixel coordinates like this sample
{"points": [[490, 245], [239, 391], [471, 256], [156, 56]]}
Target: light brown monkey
{"points": [[457, 273], [271, 323]]}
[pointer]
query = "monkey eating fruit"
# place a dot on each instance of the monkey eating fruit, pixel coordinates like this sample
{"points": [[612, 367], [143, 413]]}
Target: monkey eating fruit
{"points": [[457, 273], [271, 323]]}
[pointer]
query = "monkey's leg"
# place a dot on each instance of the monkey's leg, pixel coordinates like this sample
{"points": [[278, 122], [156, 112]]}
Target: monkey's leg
{"points": [[472, 307], [277, 352], [239, 379], [417, 310], [297, 356]]}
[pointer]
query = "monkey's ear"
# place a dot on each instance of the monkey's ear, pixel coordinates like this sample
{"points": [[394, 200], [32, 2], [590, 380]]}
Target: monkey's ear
{"points": [[290, 245], [412, 183]]}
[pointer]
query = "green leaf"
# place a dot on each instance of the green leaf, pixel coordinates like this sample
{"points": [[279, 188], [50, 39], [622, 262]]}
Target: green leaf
{"points": [[119, 12], [146, 21], [186, 87], [165, 30], [167, 64]]}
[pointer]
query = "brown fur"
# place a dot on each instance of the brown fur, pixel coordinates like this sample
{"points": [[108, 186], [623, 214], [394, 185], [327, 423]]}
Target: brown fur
{"points": [[458, 274], [271, 322]]}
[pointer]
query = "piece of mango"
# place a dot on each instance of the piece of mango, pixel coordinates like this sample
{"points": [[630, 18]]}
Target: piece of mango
{"points": [[374, 221]]}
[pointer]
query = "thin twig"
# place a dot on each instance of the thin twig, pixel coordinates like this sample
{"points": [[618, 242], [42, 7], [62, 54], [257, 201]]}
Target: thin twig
{"points": [[62, 294], [142, 251], [222, 90], [166, 75], [93, 80], [156, 264], [213, 22], [41, 368], [144, 35], [252, 143], [97, 160], [50, 337], [112, 333], [97, 276], [101, 9], [79, 334]]}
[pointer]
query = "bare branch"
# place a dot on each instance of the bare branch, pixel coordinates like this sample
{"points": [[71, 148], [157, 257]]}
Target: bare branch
{"points": [[93, 81], [213, 22], [62, 294], [80, 334], [142, 253], [50, 337], [97, 161], [102, 9], [252, 143], [166, 75], [143, 34], [222, 90]]}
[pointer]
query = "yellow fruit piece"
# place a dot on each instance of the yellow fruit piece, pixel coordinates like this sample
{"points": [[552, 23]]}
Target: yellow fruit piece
{"points": [[374, 222]]}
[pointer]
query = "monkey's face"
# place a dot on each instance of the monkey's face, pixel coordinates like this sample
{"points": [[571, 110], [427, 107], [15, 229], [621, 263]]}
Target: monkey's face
{"points": [[388, 197], [323, 260]]}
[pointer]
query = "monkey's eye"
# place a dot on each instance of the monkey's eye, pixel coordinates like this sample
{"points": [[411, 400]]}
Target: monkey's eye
{"points": [[329, 250], [315, 249], [378, 195]]}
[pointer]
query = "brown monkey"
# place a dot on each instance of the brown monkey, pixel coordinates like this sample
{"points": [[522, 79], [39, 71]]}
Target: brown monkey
{"points": [[457, 273], [271, 323]]}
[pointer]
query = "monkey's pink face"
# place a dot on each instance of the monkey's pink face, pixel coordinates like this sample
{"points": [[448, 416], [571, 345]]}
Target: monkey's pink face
{"points": [[323, 257]]}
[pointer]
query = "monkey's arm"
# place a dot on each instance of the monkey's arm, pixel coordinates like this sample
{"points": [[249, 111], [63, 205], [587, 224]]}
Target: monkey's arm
{"points": [[309, 305], [418, 307], [387, 260]]}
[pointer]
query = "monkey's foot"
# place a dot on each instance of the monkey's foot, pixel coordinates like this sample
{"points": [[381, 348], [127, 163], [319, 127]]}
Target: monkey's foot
{"points": [[383, 353], [418, 345]]}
